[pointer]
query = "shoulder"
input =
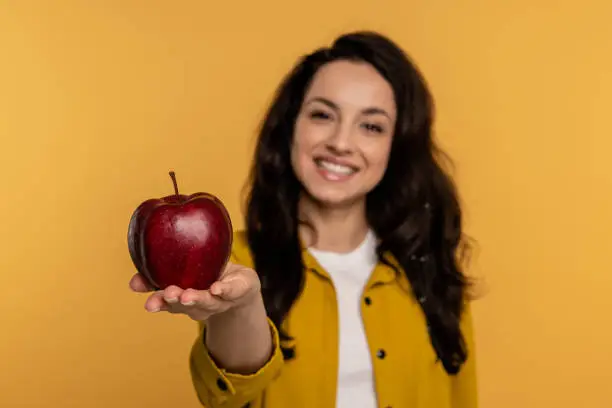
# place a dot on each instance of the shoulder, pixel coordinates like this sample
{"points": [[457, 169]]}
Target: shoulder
{"points": [[241, 252]]}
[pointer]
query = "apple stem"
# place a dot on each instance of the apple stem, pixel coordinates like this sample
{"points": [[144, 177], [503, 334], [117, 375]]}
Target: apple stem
{"points": [[173, 177]]}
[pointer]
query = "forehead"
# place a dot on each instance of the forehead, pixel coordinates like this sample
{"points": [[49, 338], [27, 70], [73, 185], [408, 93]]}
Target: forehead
{"points": [[352, 85]]}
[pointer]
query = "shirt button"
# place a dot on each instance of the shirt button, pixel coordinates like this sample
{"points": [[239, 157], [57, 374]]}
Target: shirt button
{"points": [[367, 301], [221, 384], [288, 354], [381, 354]]}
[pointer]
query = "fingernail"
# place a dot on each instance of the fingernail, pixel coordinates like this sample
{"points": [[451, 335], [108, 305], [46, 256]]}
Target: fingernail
{"points": [[189, 303], [155, 310], [171, 300]]}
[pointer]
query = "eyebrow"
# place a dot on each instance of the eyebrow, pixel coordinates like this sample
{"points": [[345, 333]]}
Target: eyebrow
{"points": [[368, 111]]}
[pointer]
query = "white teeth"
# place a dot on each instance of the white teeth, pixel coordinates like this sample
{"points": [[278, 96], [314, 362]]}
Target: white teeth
{"points": [[336, 168]]}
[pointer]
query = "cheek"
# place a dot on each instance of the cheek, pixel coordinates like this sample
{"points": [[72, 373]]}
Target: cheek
{"points": [[301, 149], [306, 139], [378, 159]]}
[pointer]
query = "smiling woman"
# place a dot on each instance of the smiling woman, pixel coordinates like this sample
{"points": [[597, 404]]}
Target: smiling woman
{"points": [[346, 288], [343, 133]]}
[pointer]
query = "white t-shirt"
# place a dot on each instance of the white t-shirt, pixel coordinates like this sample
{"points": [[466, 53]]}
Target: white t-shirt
{"points": [[350, 273]]}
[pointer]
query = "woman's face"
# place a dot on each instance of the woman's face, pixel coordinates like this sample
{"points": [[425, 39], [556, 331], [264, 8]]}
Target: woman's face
{"points": [[343, 133]]}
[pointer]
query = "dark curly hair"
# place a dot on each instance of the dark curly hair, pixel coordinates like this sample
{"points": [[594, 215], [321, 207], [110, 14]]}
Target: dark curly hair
{"points": [[414, 210]]}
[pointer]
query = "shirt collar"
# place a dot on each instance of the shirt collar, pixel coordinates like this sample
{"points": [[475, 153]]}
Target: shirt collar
{"points": [[382, 273]]}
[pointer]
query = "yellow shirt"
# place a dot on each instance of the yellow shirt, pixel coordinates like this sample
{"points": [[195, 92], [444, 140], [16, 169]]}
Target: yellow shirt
{"points": [[404, 362]]}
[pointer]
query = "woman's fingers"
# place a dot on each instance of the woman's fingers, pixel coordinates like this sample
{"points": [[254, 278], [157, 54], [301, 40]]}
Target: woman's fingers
{"points": [[192, 297], [198, 305], [220, 289], [201, 300], [172, 294], [156, 302], [233, 289], [230, 289], [139, 284]]}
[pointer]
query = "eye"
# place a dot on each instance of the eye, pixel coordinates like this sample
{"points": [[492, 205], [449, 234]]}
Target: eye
{"points": [[373, 127], [319, 115]]}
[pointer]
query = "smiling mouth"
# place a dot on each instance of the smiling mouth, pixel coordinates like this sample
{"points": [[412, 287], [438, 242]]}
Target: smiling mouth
{"points": [[334, 170]]}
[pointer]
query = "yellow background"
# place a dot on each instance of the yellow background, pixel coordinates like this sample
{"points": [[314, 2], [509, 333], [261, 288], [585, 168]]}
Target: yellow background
{"points": [[99, 99]]}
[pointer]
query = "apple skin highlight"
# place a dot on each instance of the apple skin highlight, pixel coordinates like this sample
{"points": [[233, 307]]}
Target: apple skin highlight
{"points": [[181, 240]]}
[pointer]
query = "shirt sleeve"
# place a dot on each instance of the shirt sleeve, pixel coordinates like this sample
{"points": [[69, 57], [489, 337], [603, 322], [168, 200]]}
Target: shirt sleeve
{"points": [[464, 386], [216, 387]]}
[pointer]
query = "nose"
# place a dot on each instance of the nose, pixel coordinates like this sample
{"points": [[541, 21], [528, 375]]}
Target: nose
{"points": [[341, 141]]}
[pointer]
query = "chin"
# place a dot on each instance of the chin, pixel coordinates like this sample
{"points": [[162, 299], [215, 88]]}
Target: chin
{"points": [[335, 198]]}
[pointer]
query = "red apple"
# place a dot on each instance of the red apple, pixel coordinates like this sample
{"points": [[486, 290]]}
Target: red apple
{"points": [[182, 240]]}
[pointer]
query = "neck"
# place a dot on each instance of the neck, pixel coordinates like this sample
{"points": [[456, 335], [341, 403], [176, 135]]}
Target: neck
{"points": [[340, 229]]}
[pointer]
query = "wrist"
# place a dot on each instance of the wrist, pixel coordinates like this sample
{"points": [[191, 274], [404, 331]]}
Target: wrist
{"points": [[251, 304]]}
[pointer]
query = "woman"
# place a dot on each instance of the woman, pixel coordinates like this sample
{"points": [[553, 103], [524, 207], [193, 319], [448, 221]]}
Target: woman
{"points": [[346, 288]]}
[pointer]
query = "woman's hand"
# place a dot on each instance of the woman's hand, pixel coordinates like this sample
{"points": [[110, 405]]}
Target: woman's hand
{"points": [[237, 286]]}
